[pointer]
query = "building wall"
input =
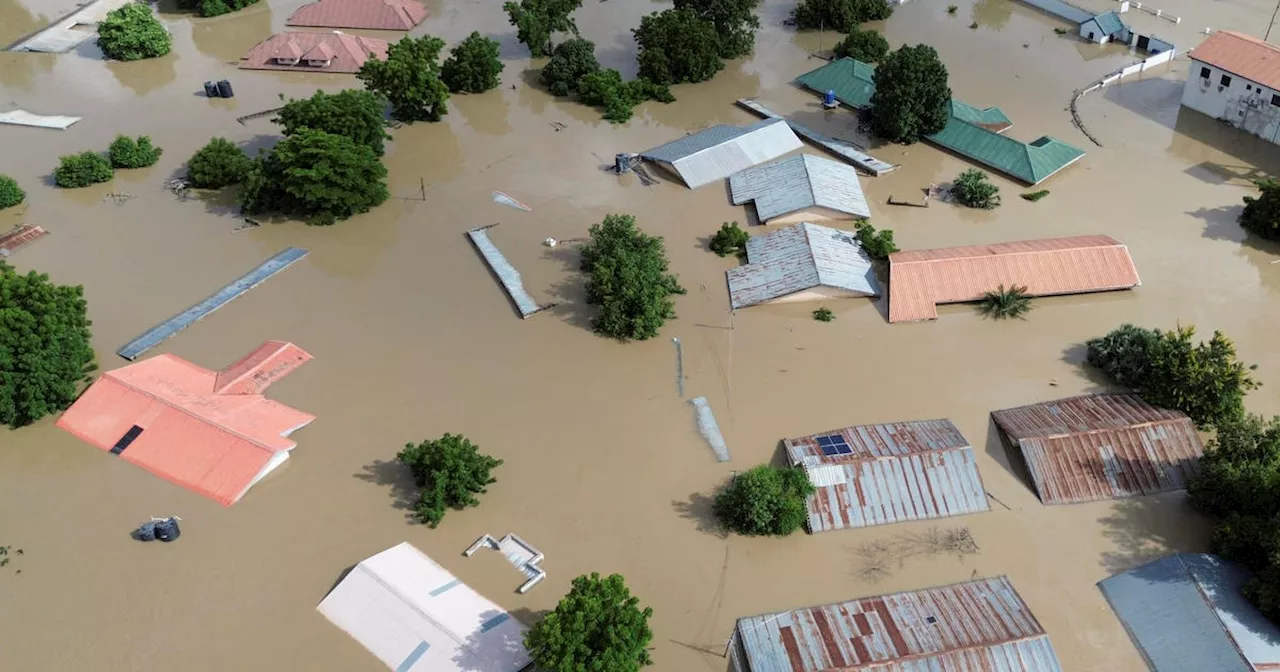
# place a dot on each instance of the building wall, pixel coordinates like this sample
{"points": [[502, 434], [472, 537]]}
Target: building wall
{"points": [[1092, 27], [816, 294], [816, 215], [1240, 102], [1061, 9]]}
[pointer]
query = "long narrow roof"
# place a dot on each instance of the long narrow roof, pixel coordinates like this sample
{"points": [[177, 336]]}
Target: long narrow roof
{"points": [[1243, 55], [975, 625], [792, 184], [919, 280], [1101, 446], [359, 14], [349, 52], [720, 151], [889, 473], [797, 258]]}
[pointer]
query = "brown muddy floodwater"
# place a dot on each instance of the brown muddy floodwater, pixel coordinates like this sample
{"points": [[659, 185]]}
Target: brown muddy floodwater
{"points": [[604, 470]]}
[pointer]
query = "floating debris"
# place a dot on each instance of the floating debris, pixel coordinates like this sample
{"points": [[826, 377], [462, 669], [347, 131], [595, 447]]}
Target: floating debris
{"points": [[22, 235], [507, 274], [178, 186], [679, 366], [710, 429], [519, 553], [164, 529], [25, 118], [504, 199], [551, 242]]}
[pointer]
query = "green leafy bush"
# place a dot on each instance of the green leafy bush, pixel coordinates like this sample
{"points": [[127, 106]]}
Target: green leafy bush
{"points": [[410, 79], [571, 61], [730, 239], [131, 32], [824, 314], [765, 500], [627, 280], [1261, 215], [676, 46], [972, 189], [536, 20], [735, 22], [318, 176], [599, 627], [451, 471], [214, 7], [10, 193], [125, 152], [82, 170], [867, 46], [839, 15], [878, 244], [351, 113], [472, 66], [1005, 303], [1035, 195], [218, 164], [605, 89]]}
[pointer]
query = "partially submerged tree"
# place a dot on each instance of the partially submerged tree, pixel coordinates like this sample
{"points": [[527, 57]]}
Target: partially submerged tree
{"points": [[571, 61], [676, 46], [317, 176], [824, 314], [214, 7], [730, 239], [877, 244], [1261, 215], [628, 280], [81, 170], [410, 79], [867, 46], [1005, 303], [537, 20], [912, 97], [605, 89], [473, 66], [839, 15], [973, 189], [598, 626], [10, 193], [351, 113], [125, 152], [44, 346], [131, 32], [765, 500], [735, 22], [218, 164], [451, 471]]}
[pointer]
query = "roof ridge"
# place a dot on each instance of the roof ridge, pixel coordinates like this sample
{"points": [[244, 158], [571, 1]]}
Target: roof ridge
{"points": [[404, 599], [1014, 242]]}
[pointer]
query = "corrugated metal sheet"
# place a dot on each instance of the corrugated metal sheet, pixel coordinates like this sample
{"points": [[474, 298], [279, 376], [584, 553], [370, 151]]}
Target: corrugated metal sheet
{"points": [[507, 274], [359, 14], [798, 258], [1185, 613], [417, 617], [1244, 55], [1103, 446], [1109, 23], [895, 473], [23, 235], [720, 151], [975, 626], [710, 429], [840, 148], [921, 279], [799, 182], [351, 52]]}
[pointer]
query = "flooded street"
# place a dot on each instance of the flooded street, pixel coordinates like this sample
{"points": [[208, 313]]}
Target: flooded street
{"points": [[604, 468]]}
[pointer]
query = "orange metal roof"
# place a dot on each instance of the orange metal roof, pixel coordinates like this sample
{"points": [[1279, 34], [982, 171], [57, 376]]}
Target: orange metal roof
{"points": [[211, 432], [921, 279], [349, 51], [1243, 55]]}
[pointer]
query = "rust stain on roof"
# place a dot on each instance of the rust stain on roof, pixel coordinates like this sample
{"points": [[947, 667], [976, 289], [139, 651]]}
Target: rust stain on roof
{"points": [[359, 14], [331, 52], [1242, 55], [919, 280], [1102, 446]]}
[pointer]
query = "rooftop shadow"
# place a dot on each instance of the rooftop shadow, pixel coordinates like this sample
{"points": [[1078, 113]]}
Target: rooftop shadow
{"points": [[698, 508], [403, 491]]}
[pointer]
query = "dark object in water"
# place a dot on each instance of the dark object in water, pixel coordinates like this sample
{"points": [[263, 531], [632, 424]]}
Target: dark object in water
{"points": [[164, 529], [210, 90], [224, 89], [622, 163]]}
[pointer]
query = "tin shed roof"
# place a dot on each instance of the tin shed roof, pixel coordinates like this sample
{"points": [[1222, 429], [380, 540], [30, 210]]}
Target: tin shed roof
{"points": [[1185, 613], [792, 184], [1109, 23], [1101, 446], [890, 473], [797, 258], [1244, 55], [359, 14], [721, 151], [975, 625], [921, 279]]}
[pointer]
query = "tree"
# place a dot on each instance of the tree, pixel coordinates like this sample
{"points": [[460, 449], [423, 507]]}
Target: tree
{"points": [[218, 164], [1003, 303], [765, 500], [44, 346], [839, 15], [628, 280], [410, 79], [1204, 380], [1261, 215], [824, 314], [605, 89], [571, 61], [132, 32], [125, 152], [472, 66], [735, 21], [537, 20], [911, 96], [730, 239], [676, 46], [81, 170], [972, 189], [877, 244], [451, 471], [10, 193], [315, 175], [351, 113], [214, 7], [598, 627], [867, 46]]}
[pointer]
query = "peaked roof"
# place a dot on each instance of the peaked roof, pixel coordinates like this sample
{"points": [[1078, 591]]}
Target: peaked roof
{"points": [[720, 151], [1242, 55], [797, 258], [348, 52], [787, 185], [1109, 23], [359, 14]]}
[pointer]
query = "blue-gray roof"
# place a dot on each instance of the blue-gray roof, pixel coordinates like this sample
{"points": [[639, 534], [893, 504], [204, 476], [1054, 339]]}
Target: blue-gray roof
{"points": [[798, 182], [799, 258], [1186, 614], [720, 151]]}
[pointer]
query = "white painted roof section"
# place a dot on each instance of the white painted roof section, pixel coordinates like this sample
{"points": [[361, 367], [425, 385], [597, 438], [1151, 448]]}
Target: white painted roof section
{"points": [[25, 118], [798, 258], [720, 151], [417, 617], [798, 182]]}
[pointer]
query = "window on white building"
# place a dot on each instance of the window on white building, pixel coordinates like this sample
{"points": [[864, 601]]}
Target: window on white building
{"points": [[1204, 73], [1275, 99], [1225, 81]]}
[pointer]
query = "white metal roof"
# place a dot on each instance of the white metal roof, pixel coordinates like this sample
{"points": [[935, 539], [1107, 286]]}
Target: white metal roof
{"points": [[798, 182], [417, 617], [801, 257], [720, 151]]}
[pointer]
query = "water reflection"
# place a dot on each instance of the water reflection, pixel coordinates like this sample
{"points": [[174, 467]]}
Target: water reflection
{"points": [[228, 37], [486, 112], [19, 69], [993, 14], [146, 75]]}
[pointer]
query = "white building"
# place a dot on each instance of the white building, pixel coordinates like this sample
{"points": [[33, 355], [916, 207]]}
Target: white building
{"points": [[1236, 78]]}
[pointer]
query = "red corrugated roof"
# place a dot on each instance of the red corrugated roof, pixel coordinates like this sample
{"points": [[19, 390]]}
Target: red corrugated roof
{"points": [[362, 14], [349, 51], [919, 280], [215, 443], [1243, 55]]}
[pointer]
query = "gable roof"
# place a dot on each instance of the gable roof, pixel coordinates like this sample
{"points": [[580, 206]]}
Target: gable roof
{"points": [[797, 258], [852, 80], [359, 14], [921, 279], [349, 52], [720, 151], [1242, 55], [1109, 23], [788, 185]]}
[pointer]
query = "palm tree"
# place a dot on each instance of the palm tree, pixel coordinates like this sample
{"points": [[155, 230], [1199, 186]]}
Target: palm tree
{"points": [[1004, 303]]}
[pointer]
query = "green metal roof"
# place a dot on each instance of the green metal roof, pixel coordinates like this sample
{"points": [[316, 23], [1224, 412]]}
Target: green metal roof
{"points": [[852, 80], [991, 116], [1110, 23]]}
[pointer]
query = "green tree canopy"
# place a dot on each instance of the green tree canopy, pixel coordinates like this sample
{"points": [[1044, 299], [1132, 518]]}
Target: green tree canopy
{"points": [[735, 22], [351, 113], [10, 193], [44, 346], [730, 239], [912, 96], [570, 62], [451, 471], [598, 627], [877, 244], [676, 46], [214, 7], [218, 164], [315, 175], [765, 500], [867, 46], [125, 152], [81, 170], [1261, 215], [839, 15], [605, 89], [537, 20], [973, 189], [410, 79], [1204, 380], [472, 66], [628, 280], [132, 32]]}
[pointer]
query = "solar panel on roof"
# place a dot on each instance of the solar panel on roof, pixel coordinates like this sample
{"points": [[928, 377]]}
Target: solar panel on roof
{"points": [[833, 444]]}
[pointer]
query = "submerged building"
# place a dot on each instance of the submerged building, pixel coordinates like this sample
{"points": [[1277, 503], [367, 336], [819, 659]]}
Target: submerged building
{"points": [[803, 188], [359, 14], [804, 262], [1236, 78], [299, 51], [720, 151]]}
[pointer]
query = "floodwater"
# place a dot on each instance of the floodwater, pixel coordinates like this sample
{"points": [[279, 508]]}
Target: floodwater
{"points": [[604, 469]]}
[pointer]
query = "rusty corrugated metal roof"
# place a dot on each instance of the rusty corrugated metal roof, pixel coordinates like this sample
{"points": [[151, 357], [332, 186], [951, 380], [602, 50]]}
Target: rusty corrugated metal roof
{"points": [[1102, 446], [359, 14], [919, 280], [349, 52], [974, 626], [18, 237], [1243, 55], [889, 473], [798, 258]]}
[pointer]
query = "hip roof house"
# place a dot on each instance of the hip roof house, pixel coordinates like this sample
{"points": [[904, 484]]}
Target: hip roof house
{"points": [[359, 14], [212, 432], [805, 262], [298, 51], [803, 188], [720, 151]]}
